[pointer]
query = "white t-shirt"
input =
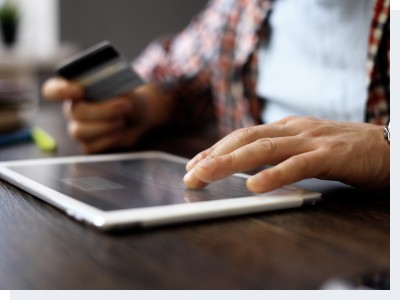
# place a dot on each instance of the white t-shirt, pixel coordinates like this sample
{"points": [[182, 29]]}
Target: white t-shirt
{"points": [[314, 61]]}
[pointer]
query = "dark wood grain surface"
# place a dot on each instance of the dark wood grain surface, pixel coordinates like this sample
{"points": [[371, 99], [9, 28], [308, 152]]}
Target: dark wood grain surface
{"points": [[347, 234]]}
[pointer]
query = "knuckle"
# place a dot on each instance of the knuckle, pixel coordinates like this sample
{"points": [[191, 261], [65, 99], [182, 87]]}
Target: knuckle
{"points": [[266, 144], [77, 112], [75, 131], [310, 118], [335, 145], [203, 154], [311, 133], [312, 129], [230, 159], [213, 154], [243, 134], [289, 119], [276, 175], [302, 122]]}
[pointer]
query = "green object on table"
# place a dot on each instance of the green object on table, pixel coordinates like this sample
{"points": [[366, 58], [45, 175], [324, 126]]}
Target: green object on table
{"points": [[43, 140]]}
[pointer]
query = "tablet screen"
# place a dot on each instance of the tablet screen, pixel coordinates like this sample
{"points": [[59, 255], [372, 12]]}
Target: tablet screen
{"points": [[134, 183]]}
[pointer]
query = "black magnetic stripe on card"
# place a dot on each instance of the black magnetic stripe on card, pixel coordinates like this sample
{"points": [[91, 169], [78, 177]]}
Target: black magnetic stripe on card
{"points": [[84, 62]]}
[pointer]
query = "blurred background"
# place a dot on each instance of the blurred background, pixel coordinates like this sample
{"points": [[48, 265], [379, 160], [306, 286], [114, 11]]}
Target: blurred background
{"points": [[37, 34]]}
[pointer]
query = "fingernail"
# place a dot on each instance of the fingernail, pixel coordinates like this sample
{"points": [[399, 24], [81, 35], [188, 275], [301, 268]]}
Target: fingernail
{"points": [[256, 179], [190, 176], [192, 162], [206, 164]]}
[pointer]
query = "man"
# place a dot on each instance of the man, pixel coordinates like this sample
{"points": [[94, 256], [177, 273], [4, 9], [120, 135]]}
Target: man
{"points": [[222, 51]]}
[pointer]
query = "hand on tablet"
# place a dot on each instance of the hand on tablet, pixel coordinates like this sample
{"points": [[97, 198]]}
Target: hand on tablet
{"points": [[299, 148], [115, 123]]}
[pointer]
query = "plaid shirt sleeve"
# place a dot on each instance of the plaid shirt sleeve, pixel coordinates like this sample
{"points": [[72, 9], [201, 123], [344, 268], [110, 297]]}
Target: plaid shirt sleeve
{"points": [[202, 66], [211, 67], [171, 59], [378, 65]]}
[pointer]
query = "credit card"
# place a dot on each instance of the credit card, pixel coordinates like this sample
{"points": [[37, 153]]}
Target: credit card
{"points": [[102, 71]]}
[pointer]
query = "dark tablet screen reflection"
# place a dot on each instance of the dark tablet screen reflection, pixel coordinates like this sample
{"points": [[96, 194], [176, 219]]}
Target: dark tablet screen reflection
{"points": [[124, 184]]}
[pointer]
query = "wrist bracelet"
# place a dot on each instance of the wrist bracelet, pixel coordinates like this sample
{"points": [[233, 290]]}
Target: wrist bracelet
{"points": [[386, 132]]}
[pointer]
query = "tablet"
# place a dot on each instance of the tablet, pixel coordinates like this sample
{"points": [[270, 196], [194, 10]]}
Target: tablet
{"points": [[141, 189]]}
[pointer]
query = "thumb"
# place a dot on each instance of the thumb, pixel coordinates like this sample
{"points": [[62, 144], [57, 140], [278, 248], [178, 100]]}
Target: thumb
{"points": [[58, 88]]}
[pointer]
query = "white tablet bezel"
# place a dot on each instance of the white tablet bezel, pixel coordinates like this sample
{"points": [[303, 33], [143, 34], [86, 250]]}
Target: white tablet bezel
{"points": [[149, 216]]}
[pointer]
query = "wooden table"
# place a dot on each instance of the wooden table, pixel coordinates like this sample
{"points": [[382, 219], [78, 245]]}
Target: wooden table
{"points": [[347, 234]]}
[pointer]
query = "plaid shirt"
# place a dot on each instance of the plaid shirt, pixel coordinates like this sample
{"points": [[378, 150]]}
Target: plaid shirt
{"points": [[214, 61]]}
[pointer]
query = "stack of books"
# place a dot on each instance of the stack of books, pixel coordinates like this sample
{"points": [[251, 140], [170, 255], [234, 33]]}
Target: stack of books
{"points": [[17, 105]]}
